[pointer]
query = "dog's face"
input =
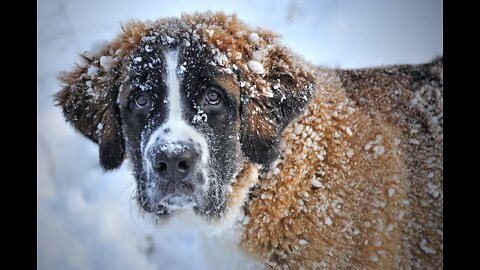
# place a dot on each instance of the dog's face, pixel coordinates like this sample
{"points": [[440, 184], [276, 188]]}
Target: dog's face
{"points": [[181, 120], [190, 102]]}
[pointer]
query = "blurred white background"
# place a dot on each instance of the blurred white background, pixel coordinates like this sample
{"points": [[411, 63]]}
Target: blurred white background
{"points": [[86, 218]]}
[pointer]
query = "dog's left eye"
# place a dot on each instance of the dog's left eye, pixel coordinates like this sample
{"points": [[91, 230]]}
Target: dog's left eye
{"points": [[212, 97], [142, 101]]}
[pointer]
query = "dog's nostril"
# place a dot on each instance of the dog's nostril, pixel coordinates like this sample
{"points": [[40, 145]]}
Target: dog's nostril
{"points": [[162, 166], [183, 166]]}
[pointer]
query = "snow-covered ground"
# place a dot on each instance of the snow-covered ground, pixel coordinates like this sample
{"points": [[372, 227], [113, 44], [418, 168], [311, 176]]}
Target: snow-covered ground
{"points": [[86, 218]]}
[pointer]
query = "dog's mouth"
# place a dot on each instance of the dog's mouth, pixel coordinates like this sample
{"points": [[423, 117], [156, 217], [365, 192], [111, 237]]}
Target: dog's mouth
{"points": [[178, 201], [161, 197]]}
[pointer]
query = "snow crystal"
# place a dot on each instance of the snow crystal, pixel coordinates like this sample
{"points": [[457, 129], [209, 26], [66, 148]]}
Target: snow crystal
{"points": [[137, 59], [401, 214], [89, 83], [303, 242], [377, 243], [255, 67], [425, 248], [349, 153], [374, 258], [148, 48], [328, 221], [106, 62], [263, 196], [253, 37], [390, 192]]}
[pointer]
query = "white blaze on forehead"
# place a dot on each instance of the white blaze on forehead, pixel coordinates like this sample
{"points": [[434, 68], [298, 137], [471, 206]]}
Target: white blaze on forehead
{"points": [[178, 130], [173, 88]]}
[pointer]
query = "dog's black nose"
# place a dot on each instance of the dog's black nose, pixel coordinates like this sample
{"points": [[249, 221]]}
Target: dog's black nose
{"points": [[175, 162]]}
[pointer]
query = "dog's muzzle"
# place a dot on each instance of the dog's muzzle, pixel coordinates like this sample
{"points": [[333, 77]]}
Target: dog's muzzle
{"points": [[174, 165]]}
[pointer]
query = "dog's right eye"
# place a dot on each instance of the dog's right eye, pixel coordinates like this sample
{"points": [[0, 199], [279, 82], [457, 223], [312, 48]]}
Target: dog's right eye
{"points": [[142, 101]]}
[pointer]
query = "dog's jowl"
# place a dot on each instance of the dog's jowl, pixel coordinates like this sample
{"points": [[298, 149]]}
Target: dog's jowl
{"points": [[318, 167]]}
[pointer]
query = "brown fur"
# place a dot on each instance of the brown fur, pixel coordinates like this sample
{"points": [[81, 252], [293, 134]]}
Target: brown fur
{"points": [[355, 178], [359, 180]]}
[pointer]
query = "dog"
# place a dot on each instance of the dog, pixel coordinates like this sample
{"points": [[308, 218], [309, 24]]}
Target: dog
{"points": [[317, 168]]}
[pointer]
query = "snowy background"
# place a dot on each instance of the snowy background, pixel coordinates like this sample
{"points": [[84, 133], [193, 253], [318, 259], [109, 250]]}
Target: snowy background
{"points": [[86, 218]]}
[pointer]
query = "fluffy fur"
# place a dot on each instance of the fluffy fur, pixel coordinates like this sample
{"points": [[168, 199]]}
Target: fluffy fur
{"points": [[337, 168]]}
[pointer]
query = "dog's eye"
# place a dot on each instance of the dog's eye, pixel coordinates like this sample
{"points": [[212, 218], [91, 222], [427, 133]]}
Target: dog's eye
{"points": [[212, 97], [142, 101]]}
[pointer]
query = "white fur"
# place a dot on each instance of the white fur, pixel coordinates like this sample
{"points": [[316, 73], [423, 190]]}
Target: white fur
{"points": [[180, 131]]}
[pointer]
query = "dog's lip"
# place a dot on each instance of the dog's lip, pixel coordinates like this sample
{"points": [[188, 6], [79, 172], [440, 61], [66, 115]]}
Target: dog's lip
{"points": [[178, 200]]}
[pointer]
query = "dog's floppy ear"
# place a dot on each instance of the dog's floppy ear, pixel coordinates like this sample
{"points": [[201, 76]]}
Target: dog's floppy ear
{"points": [[271, 102], [89, 94], [88, 100]]}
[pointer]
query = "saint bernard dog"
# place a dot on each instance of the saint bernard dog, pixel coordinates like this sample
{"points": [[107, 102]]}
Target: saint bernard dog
{"points": [[314, 168]]}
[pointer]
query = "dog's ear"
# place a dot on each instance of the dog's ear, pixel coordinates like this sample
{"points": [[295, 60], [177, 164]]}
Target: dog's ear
{"points": [[90, 92], [271, 102], [88, 100]]}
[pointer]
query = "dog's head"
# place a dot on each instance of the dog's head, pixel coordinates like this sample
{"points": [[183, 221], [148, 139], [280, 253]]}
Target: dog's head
{"points": [[192, 102]]}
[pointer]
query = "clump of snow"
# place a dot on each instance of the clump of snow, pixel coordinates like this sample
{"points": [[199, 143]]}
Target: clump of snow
{"points": [[390, 192], [328, 221], [433, 190], [425, 248], [348, 131], [298, 129], [414, 141], [106, 62], [137, 59], [350, 153], [316, 183], [374, 258], [92, 71], [303, 242], [221, 59], [253, 37], [255, 67]]}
